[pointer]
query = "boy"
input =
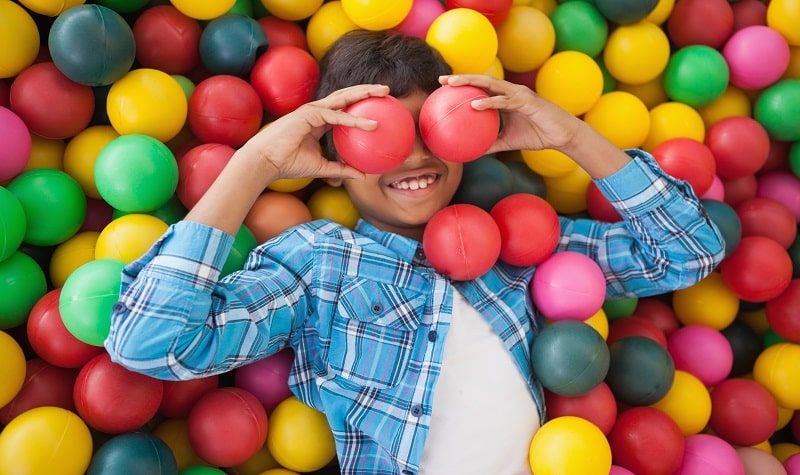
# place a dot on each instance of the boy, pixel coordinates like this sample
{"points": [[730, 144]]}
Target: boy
{"points": [[415, 373]]}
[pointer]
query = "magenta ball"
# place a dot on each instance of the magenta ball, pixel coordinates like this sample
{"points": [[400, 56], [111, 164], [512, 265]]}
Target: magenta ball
{"points": [[568, 285], [705, 454], [757, 56], [462, 241], [792, 465], [16, 142], [617, 470], [716, 191], [267, 379], [420, 17], [451, 129], [385, 147], [783, 187], [701, 351]]}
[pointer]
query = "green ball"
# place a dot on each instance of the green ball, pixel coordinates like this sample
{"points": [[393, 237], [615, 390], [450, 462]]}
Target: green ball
{"points": [[625, 12], [22, 284], [696, 75], [569, 357], [579, 26], [88, 297], [12, 223], [171, 212], [123, 6], [243, 243], [134, 453], [136, 173], [54, 205], [618, 308], [727, 221], [201, 470], [777, 108], [641, 371], [484, 182]]}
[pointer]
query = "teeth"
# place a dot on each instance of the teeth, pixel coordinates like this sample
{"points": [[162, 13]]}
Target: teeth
{"points": [[414, 183]]}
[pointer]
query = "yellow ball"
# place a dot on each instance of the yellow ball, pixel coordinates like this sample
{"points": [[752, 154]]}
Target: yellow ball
{"points": [[278, 471], [546, 6], [291, 10], [652, 92], [376, 14], [17, 28], [50, 8], [687, 402], [12, 371], [784, 417], [260, 463], [525, 39], [571, 79], [620, 117], [203, 9], [777, 369], [732, 102], [636, 53], [661, 12], [46, 153], [599, 321], [465, 38], [568, 445], [784, 16], [325, 26], [175, 434], [549, 162], [784, 450], [290, 185], [128, 237], [45, 439], [793, 69], [71, 254], [333, 203], [496, 70], [674, 119], [567, 194], [81, 153], [299, 436], [147, 101], [709, 302]]}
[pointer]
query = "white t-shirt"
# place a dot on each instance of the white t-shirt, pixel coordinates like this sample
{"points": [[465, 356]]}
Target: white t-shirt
{"points": [[483, 416]]}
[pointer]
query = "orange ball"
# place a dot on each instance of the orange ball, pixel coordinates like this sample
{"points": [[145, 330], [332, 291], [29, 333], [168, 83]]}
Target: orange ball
{"points": [[273, 213]]}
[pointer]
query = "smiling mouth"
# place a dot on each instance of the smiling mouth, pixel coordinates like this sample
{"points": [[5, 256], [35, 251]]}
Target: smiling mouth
{"points": [[415, 183]]}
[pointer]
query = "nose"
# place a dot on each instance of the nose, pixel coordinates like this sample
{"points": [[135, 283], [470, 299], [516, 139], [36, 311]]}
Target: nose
{"points": [[419, 152]]}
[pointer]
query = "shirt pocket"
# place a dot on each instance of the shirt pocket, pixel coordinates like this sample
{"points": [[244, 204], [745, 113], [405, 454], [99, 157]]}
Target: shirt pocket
{"points": [[374, 332]]}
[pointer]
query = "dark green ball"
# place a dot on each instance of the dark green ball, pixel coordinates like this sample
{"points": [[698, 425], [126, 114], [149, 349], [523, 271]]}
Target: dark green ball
{"points": [[641, 371], [485, 181], [726, 219], [135, 453]]}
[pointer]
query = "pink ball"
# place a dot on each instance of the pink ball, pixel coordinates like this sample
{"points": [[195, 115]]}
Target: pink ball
{"points": [[568, 286], [716, 191], [462, 241], [16, 142], [381, 149], [451, 129], [617, 470], [709, 455], [267, 379], [783, 187], [792, 465], [701, 351], [420, 17], [757, 56]]}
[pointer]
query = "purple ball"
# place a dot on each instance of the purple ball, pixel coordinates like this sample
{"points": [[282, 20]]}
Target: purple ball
{"points": [[267, 379]]}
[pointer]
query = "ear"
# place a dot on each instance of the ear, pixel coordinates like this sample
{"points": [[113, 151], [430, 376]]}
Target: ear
{"points": [[334, 182]]}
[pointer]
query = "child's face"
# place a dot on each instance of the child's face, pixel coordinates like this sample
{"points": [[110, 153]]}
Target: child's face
{"points": [[404, 199]]}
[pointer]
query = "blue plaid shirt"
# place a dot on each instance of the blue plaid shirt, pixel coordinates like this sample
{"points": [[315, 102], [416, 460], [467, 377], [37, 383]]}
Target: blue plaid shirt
{"points": [[367, 316]]}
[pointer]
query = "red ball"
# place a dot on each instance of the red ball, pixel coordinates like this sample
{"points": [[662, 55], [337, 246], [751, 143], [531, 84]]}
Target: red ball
{"points": [[658, 312], [687, 159], [268, 378], [495, 11], [769, 218], [635, 325], [180, 396], [51, 105], [700, 22], [282, 32], [529, 228], [758, 270], [462, 241], [198, 168], [224, 109], [597, 406], [227, 426], [51, 340], [740, 146], [743, 412], [167, 40], [783, 312], [598, 206], [285, 78], [646, 440], [451, 129], [113, 399], [384, 148], [739, 189], [748, 13], [44, 385]]}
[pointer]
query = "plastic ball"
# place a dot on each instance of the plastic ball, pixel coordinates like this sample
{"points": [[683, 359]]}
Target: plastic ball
{"points": [[597, 406], [776, 369], [462, 241], [769, 218], [733, 102], [224, 109], [757, 461], [180, 395], [282, 32], [569, 358], [87, 298], [635, 325], [636, 53], [13, 371], [203, 9], [446, 113], [525, 39], [777, 108], [708, 302], [701, 351], [333, 203], [135, 453], [13, 224], [136, 173], [243, 243], [17, 28], [71, 254], [495, 11], [740, 146], [267, 379], [569, 444], [756, 67], [51, 104], [671, 120], [748, 13], [124, 6], [646, 440], [376, 15], [746, 346], [641, 371], [80, 155], [579, 26], [689, 160], [568, 285], [197, 170], [46, 440], [22, 277], [420, 17], [44, 385], [299, 436], [782, 15], [625, 12], [704, 453], [700, 22], [758, 270], [567, 193], [549, 162], [687, 402], [466, 39], [619, 116], [696, 75], [92, 45], [54, 205], [383, 148], [18, 144], [743, 412], [782, 187], [128, 237], [174, 433], [292, 10], [529, 229], [231, 43], [273, 213], [659, 312], [326, 26], [148, 102], [285, 78], [792, 464], [782, 312], [618, 308], [571, 79], [167, 40]]}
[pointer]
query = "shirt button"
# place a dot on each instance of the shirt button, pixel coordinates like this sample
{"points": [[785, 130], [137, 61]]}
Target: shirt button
{"points": [[432, 335], [416, 410], [119, 307], [376, 308], [420, 254]]}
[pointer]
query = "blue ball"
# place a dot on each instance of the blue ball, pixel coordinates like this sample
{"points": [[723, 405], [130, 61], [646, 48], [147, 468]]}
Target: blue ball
{"points": [[230, 44]]}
